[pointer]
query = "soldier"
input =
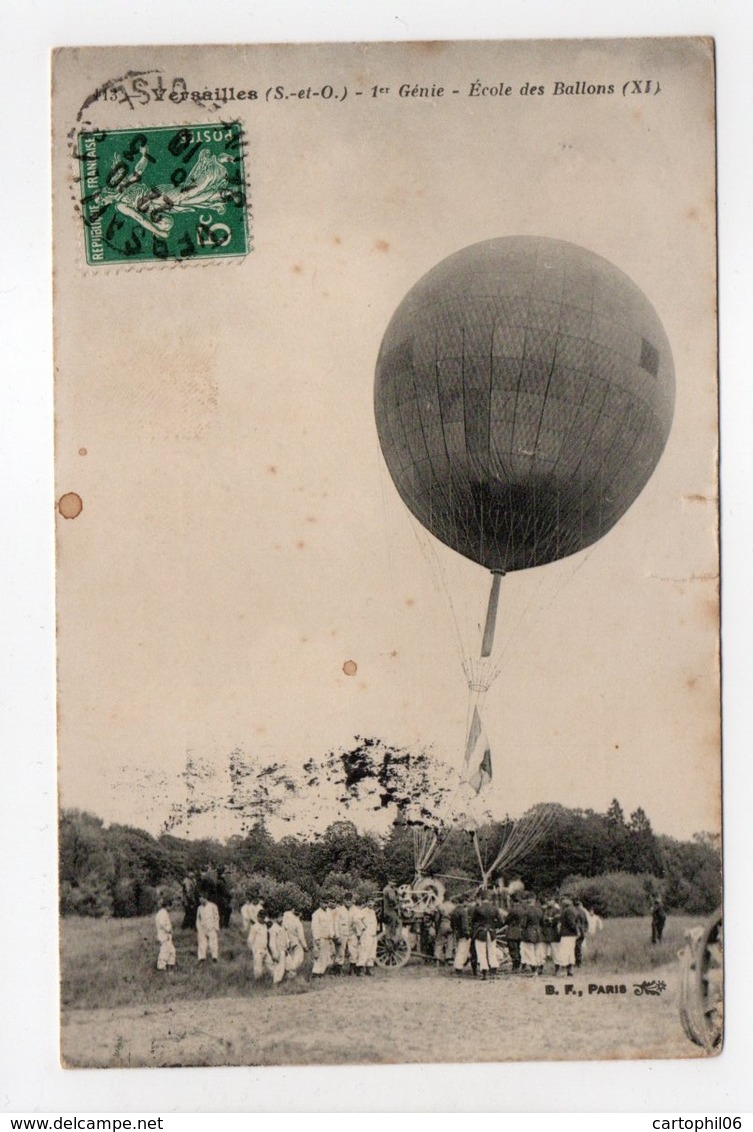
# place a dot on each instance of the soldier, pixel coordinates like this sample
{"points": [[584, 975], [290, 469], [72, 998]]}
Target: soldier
{"points": [[258, 942], [250, 912], [391, 919], [550, 928], [223, 897], [531, 944], [208, 929], [164, 926], [462, 921], [564, 949], [514, 917], [595, 923], [277, 947], [297, 946], [658, 920], [340, 933], [580, 939], [444, 939], [323, 934], [190, 890], [486, 920], [346, 935], [367, 937]]}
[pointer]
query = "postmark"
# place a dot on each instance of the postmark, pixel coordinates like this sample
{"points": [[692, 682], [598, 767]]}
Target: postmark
{"points": [[152, 194]]}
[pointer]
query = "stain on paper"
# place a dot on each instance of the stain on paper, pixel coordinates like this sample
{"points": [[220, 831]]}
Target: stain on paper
{"points": [[70, 505]]}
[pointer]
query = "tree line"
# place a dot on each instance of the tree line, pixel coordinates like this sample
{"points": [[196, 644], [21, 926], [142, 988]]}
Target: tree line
{"points": [[616, 863]]}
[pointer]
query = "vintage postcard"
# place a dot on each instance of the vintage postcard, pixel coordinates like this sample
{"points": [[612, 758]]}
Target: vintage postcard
{"points": [[387, 560]]}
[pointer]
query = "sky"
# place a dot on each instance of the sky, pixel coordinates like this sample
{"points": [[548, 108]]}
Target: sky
{"points": [[241, 540]]}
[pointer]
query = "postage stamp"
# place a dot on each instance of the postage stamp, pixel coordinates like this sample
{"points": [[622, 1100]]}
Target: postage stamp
{"points": [[164, 193]]}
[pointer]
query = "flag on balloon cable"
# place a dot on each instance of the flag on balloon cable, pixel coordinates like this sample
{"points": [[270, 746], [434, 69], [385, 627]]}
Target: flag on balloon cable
{"points": [[476, 744]]}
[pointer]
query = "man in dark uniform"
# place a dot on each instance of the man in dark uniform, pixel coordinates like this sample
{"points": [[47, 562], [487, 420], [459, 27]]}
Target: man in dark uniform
{"points": [[190, 890], [486, 920], [514, 917], [582, 918], [223, 897], [531, 946], [550, 933], [391, 919], [568, 928], [462, 923], [658, 920]]}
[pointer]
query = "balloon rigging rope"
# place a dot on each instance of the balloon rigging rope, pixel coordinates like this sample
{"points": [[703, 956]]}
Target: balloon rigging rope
{"points": [[474, 669], [478, 670], [439, 577], [525, 832]]}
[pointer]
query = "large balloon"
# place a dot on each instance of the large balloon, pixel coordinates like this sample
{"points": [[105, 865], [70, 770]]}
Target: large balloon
{"points": [[524, 394]]}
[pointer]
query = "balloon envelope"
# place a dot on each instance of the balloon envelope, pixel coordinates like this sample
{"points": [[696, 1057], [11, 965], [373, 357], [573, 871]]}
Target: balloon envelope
{"points": [[524, 394]]}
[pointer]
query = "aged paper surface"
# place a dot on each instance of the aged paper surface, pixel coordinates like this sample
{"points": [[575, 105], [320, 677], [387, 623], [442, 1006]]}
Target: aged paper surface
{"points": [[243, 591]]}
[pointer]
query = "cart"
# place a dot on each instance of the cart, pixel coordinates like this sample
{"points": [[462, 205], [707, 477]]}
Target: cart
{"points": [[417, 932]]}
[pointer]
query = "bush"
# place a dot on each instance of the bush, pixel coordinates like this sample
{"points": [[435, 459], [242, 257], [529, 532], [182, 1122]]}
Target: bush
{"points": [[171, 891], [275, 895], [89, 898], [133, 898], [288, 894], [614, 894], [335, 886]]}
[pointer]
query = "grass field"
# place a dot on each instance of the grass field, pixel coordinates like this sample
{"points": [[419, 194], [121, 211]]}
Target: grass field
{"points": [[117, 1009]]}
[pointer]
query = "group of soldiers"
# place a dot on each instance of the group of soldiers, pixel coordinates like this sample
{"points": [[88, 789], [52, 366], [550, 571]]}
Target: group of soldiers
{"points": [[343, 938], [276, 940], [275, 937], [344, 935], [206, 921], [468, 933]]}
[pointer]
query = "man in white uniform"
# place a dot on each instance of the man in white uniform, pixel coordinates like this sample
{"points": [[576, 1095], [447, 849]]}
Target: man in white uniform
{"points": [[258, 941], [208, 929], [347, 931], [444, 941], [277, 948], [367, 937], [323, 933], [164, 926], [297, 946], [340, 934], [250, 914]]}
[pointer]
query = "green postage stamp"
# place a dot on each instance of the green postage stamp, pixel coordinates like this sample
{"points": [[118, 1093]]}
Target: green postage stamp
{"points": [[164, 193]]}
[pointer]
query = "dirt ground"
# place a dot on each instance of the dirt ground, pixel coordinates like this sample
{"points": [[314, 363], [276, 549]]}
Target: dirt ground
{"points": [[414, 1015]]}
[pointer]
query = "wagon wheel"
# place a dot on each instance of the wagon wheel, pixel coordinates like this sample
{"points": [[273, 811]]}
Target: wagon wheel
{"points": [[503, 953], [701, 987], [712, 984], [392, 951], [427, 894]]}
